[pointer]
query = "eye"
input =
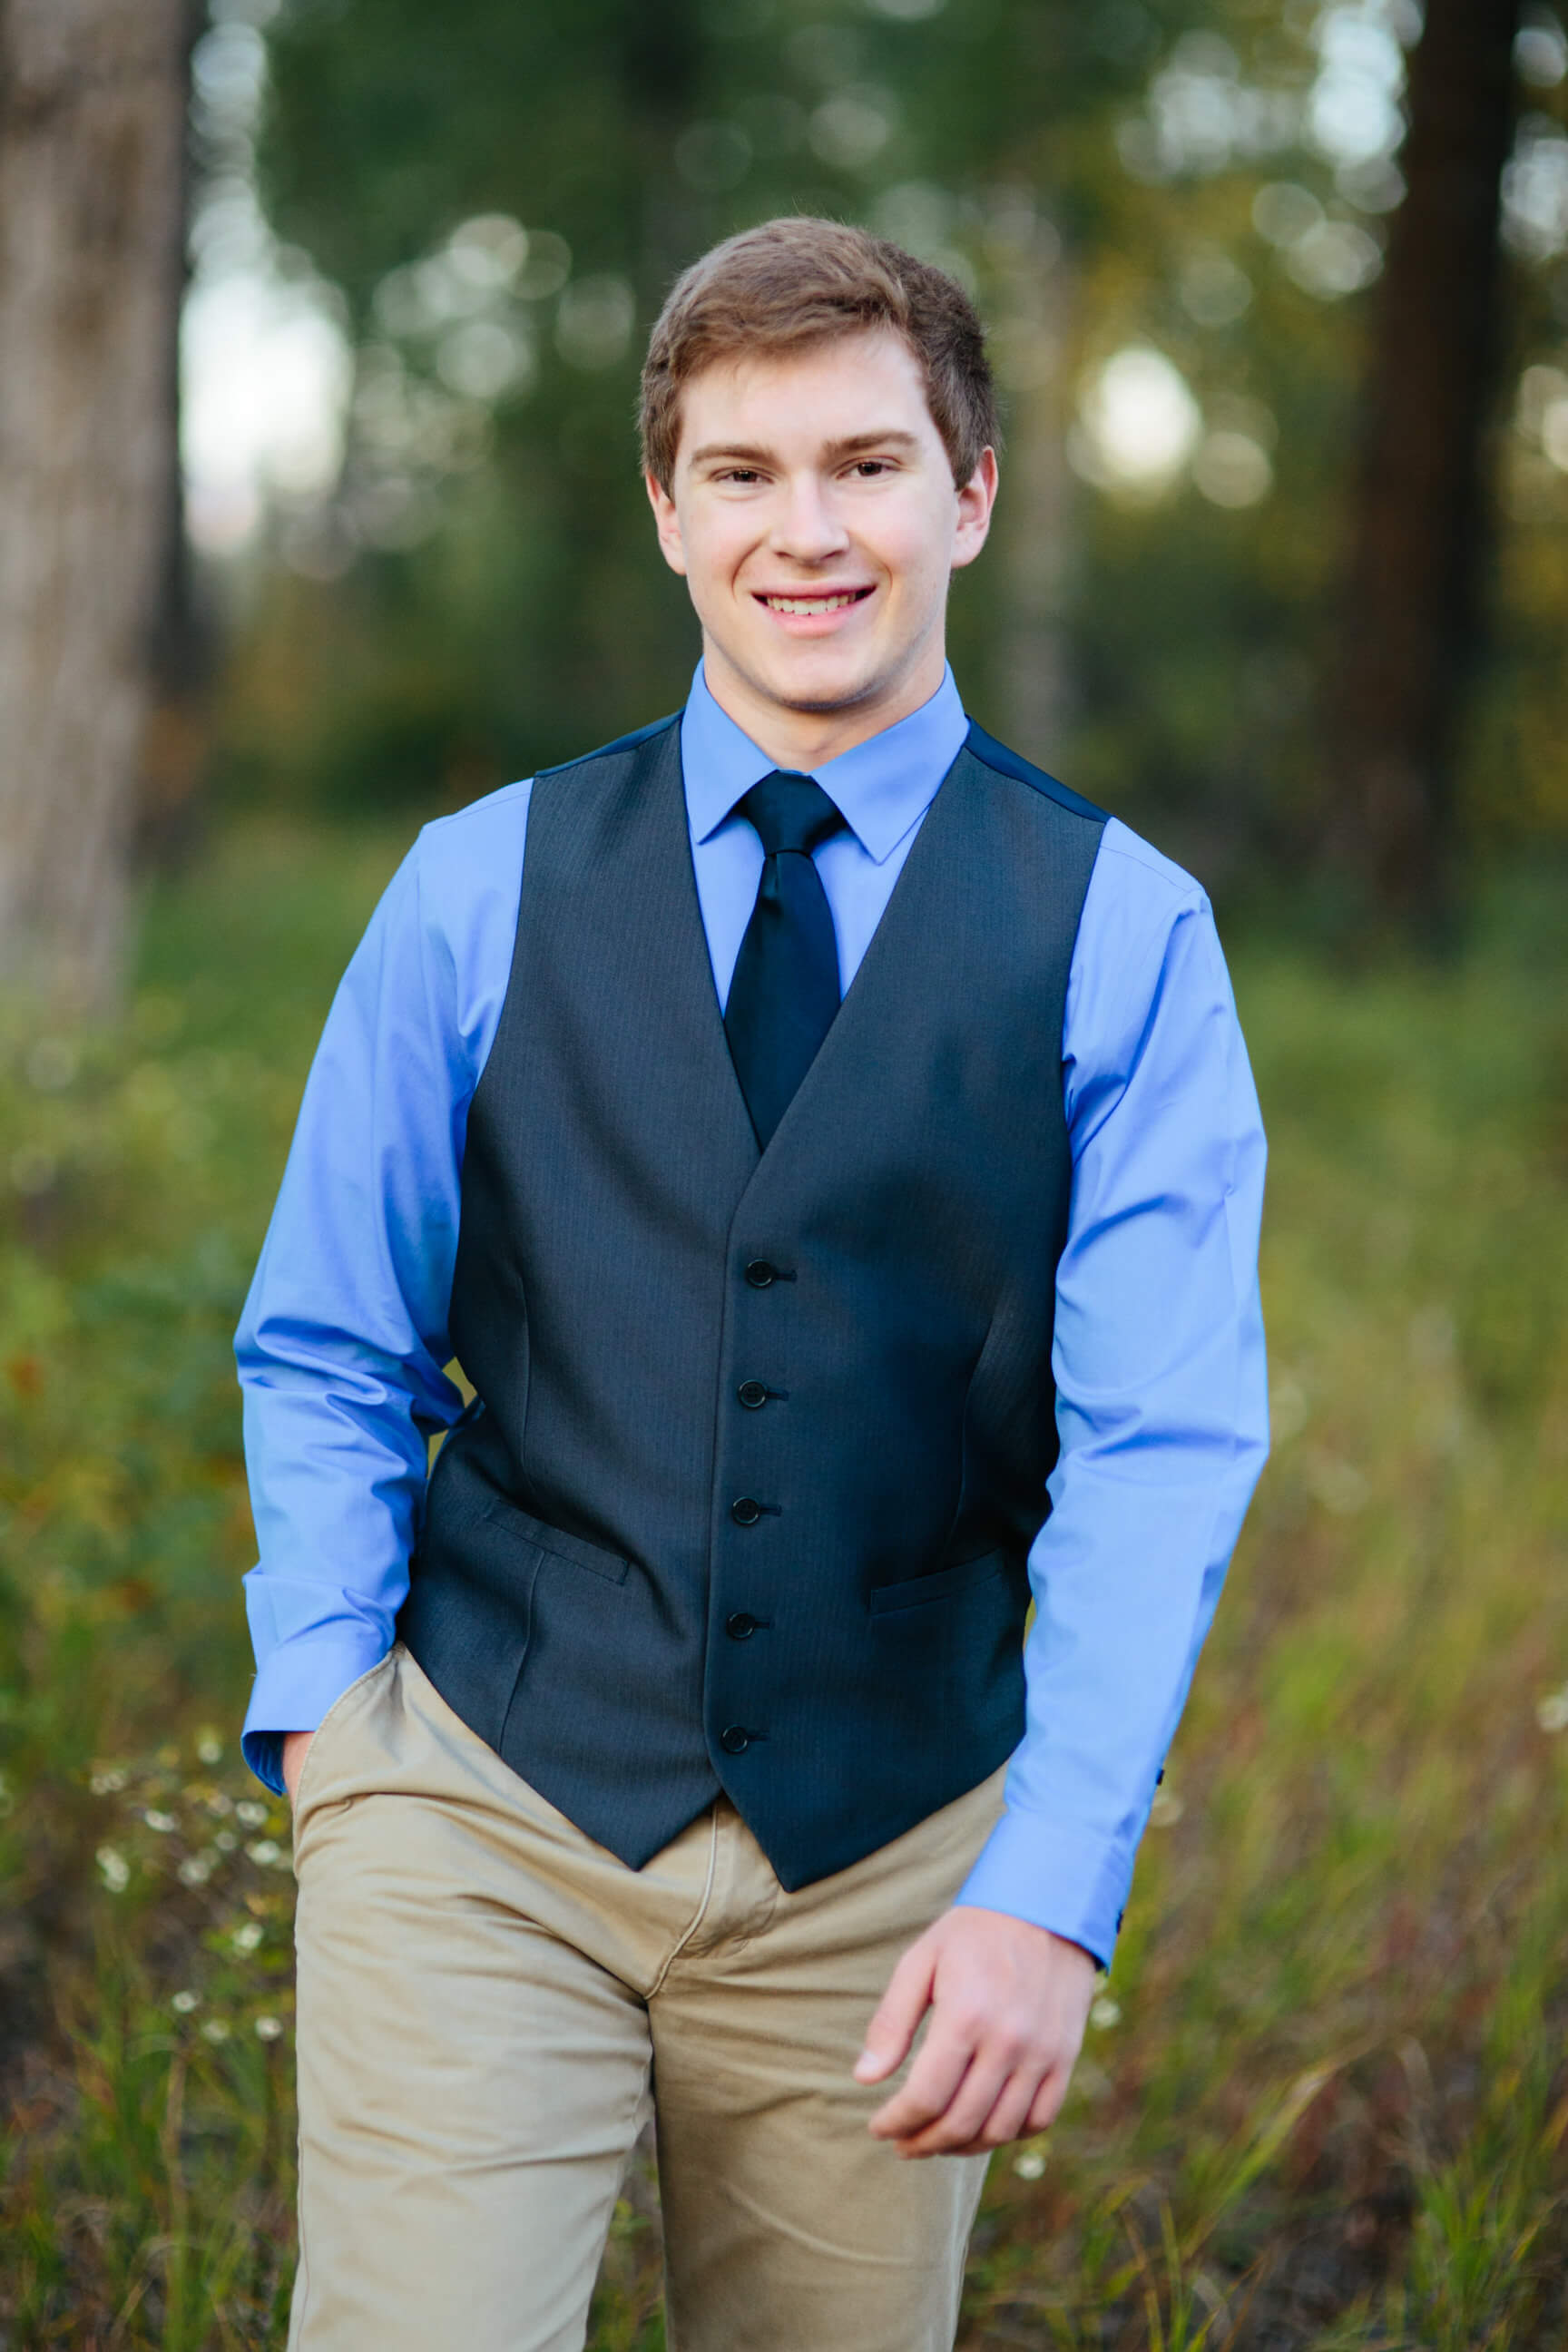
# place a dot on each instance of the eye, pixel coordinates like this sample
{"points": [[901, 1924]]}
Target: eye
{"points": [[744, 475], [867, 469]]}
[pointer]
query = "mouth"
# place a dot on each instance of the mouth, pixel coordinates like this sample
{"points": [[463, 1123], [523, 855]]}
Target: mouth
{"points": [[805, 608]]}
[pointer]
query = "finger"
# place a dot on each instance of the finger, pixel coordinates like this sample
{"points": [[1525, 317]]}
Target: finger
{"points": [[933, 2079], [962, 2121], [1045, 2104], [1010, 2115], [1022, 2110], [898, 2013]]}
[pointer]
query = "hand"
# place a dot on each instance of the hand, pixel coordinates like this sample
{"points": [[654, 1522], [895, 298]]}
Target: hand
{"points": [[296, 1746], [1010, 2002]]}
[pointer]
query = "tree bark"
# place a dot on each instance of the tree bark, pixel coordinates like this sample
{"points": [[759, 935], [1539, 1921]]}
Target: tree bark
{"points": [[92, 126], [1412, 610]]}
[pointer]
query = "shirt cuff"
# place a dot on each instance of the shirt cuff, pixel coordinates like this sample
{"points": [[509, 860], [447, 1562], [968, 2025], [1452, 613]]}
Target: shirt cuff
{"points": [[295, 1685], [1072, 1882]]}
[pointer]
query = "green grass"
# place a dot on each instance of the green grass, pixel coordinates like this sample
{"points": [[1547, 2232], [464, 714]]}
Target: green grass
{"points": [[1326, 2106]]}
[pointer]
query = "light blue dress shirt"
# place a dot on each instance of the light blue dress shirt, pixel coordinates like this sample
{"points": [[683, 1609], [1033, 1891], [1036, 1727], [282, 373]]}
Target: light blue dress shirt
{"points": [[1157, 1357]]}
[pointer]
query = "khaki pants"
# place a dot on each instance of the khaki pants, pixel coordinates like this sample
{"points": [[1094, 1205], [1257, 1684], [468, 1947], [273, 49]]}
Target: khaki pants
{"points": [[486, 2000]]}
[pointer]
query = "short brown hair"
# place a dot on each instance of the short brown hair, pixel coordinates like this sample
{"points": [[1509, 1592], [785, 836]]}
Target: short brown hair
{"points": [[794, 282]]}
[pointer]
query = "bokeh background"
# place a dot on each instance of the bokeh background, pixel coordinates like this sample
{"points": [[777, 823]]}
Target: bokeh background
{"points": [[320, 324]]}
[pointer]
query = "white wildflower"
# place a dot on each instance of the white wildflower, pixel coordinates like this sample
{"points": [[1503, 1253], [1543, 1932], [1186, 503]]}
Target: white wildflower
{"points": [[109, 1782], [1552, 1712], [162, 1822], [250, 1812], [247, 1935], [209, 1746], [196, 1870], [113, 1868], [1105, 2013], [267, 2029], [266, 1852], [184, 2002], [226, 1841], [1030, 2164], [214, 2030]]}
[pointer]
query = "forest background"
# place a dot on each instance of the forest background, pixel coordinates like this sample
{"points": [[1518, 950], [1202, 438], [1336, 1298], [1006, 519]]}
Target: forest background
{"points": [[1279, 296]]}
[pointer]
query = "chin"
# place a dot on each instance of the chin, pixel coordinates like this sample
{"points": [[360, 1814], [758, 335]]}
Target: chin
{"points": [[824, 686]]}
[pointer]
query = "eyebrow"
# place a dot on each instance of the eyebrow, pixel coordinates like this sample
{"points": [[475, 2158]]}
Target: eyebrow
{"points": [[747, 454]]}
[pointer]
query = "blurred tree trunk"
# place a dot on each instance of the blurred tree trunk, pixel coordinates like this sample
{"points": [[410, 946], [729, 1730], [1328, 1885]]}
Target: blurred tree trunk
{"points": [[182, 638], [662, 51], [1411, 614], [92, 126], [1036, 513]]}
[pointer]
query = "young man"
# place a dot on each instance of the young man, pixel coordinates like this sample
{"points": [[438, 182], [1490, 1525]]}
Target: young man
{"points": [[683, 1736]]}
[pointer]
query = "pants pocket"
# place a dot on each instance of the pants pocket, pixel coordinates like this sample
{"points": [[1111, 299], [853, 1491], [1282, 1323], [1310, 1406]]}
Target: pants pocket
{"points": [[309, 1791]]}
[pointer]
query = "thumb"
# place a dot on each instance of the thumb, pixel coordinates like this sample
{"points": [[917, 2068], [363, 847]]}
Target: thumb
{"points": [[899, 2012]]}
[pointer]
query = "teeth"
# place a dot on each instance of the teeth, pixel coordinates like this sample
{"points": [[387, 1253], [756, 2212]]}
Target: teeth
{"points": [[811, 603]]}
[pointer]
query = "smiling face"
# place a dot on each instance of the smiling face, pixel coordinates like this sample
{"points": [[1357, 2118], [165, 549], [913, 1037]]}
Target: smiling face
{"points": [[816, 523]]}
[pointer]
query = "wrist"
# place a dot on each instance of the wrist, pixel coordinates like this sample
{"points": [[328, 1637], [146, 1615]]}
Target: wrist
{"points": [[296, 1744]]}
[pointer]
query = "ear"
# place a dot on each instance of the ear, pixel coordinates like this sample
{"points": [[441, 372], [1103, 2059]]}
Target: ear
{"points": [[976, 500], [666, 524]]}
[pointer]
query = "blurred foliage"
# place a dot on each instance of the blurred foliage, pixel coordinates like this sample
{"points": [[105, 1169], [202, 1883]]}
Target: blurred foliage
{"points": [[480, 594], [1323, 2100]]}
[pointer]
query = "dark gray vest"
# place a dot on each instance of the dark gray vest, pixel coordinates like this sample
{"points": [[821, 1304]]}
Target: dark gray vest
{"points": [[760, 1441]]}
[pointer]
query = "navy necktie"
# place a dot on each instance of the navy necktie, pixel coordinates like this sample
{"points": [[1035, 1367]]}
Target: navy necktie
{"points": [[784, 993]]}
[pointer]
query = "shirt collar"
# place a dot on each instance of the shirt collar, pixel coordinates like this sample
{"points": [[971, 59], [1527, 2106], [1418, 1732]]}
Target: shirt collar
{"points": [[880, 786]]}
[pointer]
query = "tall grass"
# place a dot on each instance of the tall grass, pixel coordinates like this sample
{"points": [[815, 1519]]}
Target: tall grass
{"points": [[1323, 2103]]}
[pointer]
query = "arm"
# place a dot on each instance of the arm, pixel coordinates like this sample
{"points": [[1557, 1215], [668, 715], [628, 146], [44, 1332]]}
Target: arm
{"points": [[343, 1337], [1162, 1410]]}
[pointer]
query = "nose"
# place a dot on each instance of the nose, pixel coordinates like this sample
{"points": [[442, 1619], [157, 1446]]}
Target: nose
{"points": [[807, 529]]}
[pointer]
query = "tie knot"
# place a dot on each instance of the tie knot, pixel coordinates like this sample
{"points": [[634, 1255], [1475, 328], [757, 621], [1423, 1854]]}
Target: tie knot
{"points": [[790, 812]]}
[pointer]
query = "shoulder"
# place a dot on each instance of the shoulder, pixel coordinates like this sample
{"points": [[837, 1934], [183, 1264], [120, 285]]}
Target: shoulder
{"points": [[1139, 882], [452, 905], [451, 847], [462, 881], [1134, 895], [1005, 762], [458, 862], [1146, 947], [622, 747], [1141, 912]]}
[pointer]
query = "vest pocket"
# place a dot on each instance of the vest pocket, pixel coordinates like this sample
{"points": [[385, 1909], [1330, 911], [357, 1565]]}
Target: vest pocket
{"points": [[939, 1585], [558, 1543]]}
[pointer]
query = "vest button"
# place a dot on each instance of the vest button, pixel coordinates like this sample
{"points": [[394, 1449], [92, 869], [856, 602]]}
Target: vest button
{"points": [[741, 1626], [735, 1739], [752, 1393], [760, 1274], [746, 1512]]}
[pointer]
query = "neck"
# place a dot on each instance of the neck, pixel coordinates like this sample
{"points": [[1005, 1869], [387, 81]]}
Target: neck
{"points": [[801, 737]]}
